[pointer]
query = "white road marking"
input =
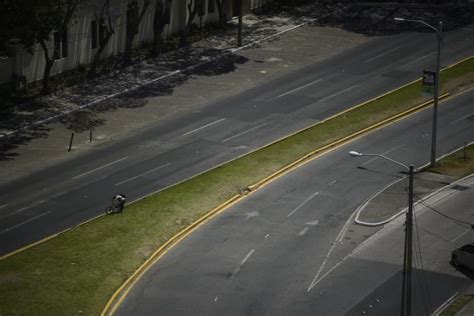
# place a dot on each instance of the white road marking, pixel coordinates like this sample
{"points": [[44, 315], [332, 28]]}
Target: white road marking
{"points": [[460, 236], [25, 222], [4, 205], [336, 241], [418, 59], [242, 263], [383, 54], [202, 127], [332, 182], [294, 90], [442, 306], [267, 235], [145, 173], [338, 93], [247, 131], [313, 223], [23, 209], [302, 204], [384, 153], [467, 29], [462, 118], [104, 166], [303, 231]]}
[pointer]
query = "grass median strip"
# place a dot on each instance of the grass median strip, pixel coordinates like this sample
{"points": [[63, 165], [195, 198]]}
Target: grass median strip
{"points": [[78, 271]]}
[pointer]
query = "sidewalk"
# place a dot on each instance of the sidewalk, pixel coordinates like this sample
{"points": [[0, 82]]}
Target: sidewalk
{"points": [[391, 202], [180, 82], [393, 199]]}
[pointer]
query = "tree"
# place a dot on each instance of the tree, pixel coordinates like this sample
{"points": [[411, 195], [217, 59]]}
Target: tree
{"points": [[161, 18], [105, 17], [33, 22], [220, 10], [193, 9], [134, 18]]}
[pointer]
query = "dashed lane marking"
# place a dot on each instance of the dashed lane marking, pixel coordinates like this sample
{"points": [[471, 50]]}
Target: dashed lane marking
{"points": [[338, 93], [418, 59], [141, 175], [245, 132], [380, 55], [203, 127], [101, 167], [383, 154], [302, 204], [462, 118], [242, 264], [25, 222], [297, 89]]}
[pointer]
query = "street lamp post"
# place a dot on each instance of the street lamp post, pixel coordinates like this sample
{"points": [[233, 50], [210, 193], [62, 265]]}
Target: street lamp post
{"points": [[408, 248], [439, 34]]}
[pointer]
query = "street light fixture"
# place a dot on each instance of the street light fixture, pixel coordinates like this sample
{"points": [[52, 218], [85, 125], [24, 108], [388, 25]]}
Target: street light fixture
{"points": [[439, 33], [408, 248]]}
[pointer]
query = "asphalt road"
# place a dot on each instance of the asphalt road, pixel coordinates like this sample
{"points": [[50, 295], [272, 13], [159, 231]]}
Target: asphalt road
{"points": [[273, 253], [62, 196]]}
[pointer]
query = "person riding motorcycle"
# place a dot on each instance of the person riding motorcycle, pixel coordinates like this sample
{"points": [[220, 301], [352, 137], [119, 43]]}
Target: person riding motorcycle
{"points": [[119, 202]]}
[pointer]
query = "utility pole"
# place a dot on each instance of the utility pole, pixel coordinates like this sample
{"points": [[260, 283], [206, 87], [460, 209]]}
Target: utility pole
{"points": [[408, 251], [439, 34], [239, 33], [408, 247]]}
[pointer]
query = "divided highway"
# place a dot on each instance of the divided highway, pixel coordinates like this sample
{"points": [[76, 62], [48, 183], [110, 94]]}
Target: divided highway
{"points": [[281, 250], [52, 200]]}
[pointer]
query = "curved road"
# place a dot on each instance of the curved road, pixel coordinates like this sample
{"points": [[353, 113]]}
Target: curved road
{"points": [[268, 254], [49, 201]]}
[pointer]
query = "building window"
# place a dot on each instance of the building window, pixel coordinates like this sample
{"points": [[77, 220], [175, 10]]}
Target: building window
{"points": [[60, 44], [211, 6], [94, 34]]}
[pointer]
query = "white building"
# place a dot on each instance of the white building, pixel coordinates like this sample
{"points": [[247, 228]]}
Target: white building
{"points": [[80, 43]]}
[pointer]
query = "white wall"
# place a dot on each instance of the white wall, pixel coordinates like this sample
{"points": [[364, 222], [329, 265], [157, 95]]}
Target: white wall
{"points": [[80, 51]]}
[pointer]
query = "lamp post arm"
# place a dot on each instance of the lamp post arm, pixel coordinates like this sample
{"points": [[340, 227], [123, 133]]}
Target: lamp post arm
{"points": [[418, 21], [389, 159]]}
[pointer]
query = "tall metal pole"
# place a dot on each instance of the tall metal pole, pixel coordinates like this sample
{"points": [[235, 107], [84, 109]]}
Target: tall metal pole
{"points": [[239, 34], [408, 247], [439, 34], [409, 242], [408, 250]]}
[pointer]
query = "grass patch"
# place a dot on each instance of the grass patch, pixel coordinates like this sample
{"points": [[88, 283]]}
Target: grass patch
{"points": [[78, 271], [458, 164], [457, 305]]}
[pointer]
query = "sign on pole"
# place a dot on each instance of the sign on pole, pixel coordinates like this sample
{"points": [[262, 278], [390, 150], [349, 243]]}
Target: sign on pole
{"points": [[429, 79]]}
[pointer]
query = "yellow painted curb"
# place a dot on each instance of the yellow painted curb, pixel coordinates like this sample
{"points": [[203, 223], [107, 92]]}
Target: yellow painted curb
{"points": [[118, 297], [122, 292]]}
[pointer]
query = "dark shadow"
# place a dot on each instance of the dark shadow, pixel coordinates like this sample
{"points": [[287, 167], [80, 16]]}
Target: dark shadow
{"points": [[9, 144], [398, 175], [376, 18], [81, 121], [429, 291], [86, 119]]}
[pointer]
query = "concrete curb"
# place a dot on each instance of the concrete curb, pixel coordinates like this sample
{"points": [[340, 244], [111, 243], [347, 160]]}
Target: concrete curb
{"points": [[360, 209]]}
